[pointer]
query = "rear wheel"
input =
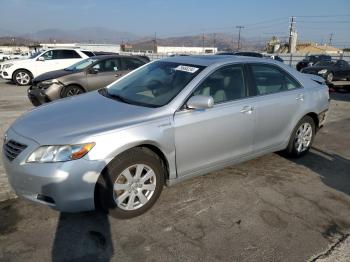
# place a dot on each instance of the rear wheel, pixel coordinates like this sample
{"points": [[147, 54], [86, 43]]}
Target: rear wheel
{"points": [[72, 90], [131, 183], [22, 77], [302, 137]]}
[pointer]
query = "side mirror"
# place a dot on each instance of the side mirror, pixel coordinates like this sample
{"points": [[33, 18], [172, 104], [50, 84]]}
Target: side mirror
{"points": [[200, 102], [93, 71], [41, 58]]}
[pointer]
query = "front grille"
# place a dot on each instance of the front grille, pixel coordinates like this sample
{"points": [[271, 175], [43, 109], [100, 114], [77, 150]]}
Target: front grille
{"points": [[12, 149]]}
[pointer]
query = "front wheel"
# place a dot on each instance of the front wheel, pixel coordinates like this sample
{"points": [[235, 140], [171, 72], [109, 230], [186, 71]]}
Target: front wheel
{"points": [[72, 90], [131, 183], [329, 77], [22, 77], [301, 138]]}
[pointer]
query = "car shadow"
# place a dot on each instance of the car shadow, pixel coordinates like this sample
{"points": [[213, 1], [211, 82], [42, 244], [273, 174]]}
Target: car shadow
{"points": [[83, 237], [341, 96], [334, 170]]}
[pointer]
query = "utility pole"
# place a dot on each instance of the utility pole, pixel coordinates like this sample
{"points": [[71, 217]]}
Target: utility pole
{"points": [[155, 43], [239, 35], [292, 36], [214, 40], [330, 39], [203, 42]]}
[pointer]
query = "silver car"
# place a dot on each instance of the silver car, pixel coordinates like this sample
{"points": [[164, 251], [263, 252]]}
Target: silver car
{"points": [[167, 121]]}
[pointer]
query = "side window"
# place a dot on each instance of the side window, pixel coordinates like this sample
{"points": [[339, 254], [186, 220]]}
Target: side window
{"points": [[108, 65], [132, 63], [67, 54], [50, 55], [269, 79], [225, 84]]}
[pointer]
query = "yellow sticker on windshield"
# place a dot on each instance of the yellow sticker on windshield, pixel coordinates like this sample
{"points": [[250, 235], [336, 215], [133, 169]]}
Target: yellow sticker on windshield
{"points": [[189, 69]]}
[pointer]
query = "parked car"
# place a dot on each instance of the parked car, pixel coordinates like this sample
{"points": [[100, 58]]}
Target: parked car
{"points": [[253, 54], [21, 72], [87, 75], [311, 60], [4, 56], [165, 122], [330, 70]]}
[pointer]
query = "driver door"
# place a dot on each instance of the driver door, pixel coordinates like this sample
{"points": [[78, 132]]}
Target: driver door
{"points": [[103, 73], [216, 136]]}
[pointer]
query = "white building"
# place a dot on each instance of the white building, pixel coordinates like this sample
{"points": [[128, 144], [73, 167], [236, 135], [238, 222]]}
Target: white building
{"points": [[91, 47], [185, 50]]}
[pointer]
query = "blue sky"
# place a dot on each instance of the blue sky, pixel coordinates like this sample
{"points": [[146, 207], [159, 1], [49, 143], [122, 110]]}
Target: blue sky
{"points": [[261, 18]]}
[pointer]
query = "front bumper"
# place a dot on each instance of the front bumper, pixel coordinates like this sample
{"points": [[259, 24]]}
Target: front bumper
{"points": [[6, 75], [37, 96], [64, 186]]}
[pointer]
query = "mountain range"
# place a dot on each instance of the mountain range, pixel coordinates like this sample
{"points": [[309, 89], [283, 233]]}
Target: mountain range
{"points": [[104, 35]]}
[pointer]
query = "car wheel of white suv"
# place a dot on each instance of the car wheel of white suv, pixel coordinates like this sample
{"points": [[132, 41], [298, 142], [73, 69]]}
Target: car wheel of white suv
{"points": [[22, 77], [131, 183]]}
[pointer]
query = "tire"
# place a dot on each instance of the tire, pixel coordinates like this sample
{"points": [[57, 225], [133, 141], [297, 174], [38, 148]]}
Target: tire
{"points": [[72, 90], [22, 77], [329, 77], [135, 194], [293, 149]]}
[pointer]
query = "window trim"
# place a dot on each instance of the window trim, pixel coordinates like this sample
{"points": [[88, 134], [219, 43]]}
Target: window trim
{"points": [[247, 83], [254, 86]]}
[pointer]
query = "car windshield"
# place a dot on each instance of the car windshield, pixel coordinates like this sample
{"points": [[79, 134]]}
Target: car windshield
{"points": [[81, 65], [324, 63], [155, 84]]}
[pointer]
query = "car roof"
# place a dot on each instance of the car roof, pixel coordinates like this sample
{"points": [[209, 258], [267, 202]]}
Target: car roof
{"points": [[100, 57], [207, 60]]}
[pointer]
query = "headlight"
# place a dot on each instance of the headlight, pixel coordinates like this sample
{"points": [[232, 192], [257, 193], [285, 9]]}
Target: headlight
{"points": [[46, 154], [5, 66], [50, 82], [323, 71]]}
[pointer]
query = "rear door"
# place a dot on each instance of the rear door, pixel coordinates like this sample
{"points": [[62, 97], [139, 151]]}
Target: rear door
{"points": [[218, 135], [103, 73], [278, 105]]}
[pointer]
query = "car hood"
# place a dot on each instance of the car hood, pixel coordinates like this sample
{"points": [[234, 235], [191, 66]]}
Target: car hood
{"points": [[53, 75], [74, 118]]}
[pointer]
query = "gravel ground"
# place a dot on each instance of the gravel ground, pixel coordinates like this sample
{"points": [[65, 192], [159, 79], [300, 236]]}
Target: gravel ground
{"points": [[267, 209]]}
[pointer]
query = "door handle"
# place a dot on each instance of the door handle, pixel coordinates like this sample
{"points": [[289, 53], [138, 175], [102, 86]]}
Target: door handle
{"points": [[300, 97], [247, 110]]}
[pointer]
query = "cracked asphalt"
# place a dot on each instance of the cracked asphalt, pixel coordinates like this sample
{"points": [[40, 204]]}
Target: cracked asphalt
{"points": [[267, 209]]}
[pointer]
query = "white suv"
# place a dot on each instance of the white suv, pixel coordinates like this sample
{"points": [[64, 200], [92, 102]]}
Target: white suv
{"points": [[21, 72]]}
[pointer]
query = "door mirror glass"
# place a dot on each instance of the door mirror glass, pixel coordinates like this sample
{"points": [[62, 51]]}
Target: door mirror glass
{"points": [[93, 71], [41, 58], [200, 102]]}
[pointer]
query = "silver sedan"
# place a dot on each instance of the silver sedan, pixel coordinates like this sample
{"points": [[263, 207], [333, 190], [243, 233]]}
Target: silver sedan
{"points": [[167, 121]]}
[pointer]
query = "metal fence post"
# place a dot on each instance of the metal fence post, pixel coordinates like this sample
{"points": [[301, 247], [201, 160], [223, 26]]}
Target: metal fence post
{"points": [[290, 59]]}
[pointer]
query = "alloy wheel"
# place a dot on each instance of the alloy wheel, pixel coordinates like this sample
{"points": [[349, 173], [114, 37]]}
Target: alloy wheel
{"points": [[22, 78], [74, 91], [134, 187], [303, 137]]}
